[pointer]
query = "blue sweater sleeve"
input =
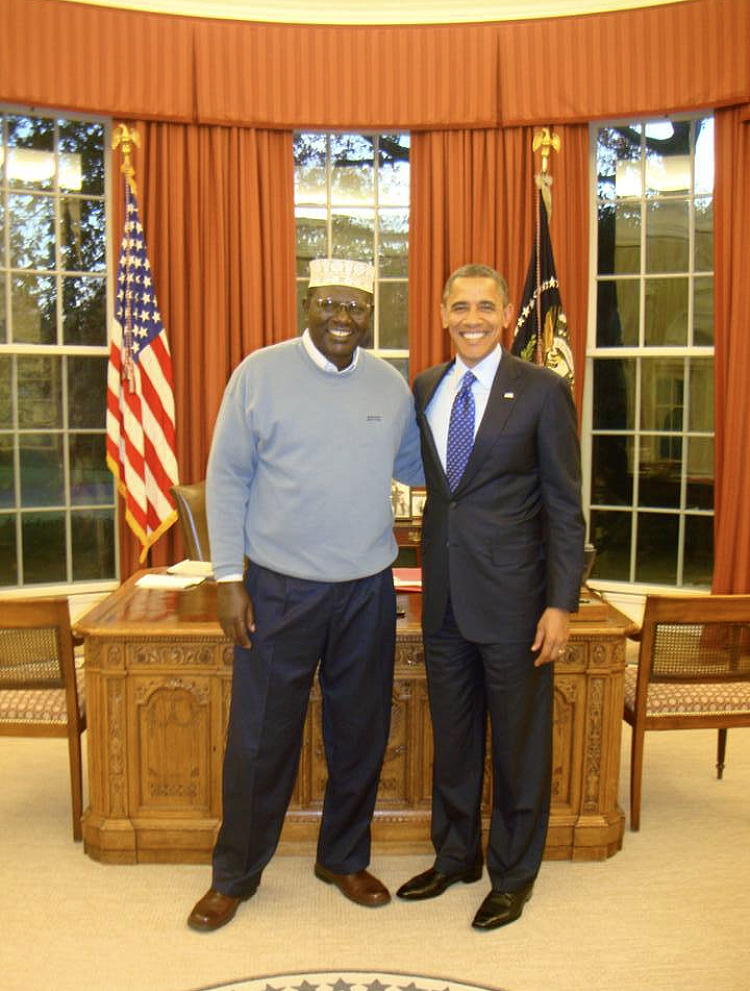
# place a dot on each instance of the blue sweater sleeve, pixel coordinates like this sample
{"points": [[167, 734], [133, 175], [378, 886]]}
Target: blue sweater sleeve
{"points": [[231, 466], [408, 466]]}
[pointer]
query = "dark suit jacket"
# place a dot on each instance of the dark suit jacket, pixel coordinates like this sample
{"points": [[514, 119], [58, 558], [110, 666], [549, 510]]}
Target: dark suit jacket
{"points": [[509, 541]]}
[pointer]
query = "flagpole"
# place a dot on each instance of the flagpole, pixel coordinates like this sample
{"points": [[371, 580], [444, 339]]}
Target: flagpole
{"points": [[547, 141]]}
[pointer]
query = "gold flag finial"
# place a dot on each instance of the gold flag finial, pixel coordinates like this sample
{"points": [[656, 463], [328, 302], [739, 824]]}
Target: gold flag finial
{"points": [[548, 142], [127, 137]]}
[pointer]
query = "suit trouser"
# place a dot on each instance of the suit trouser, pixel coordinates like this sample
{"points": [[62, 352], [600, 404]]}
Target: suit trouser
{"points": [[466, 681], [350, 628]]}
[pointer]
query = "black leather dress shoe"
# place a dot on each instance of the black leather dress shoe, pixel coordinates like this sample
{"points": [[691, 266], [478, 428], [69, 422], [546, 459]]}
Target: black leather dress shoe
{"points": [[432, 883], [501, 907]]}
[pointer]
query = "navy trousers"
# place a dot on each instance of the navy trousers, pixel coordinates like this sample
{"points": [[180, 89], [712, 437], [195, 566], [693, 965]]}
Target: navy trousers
{"points": [[349, 629], [466, 681]]}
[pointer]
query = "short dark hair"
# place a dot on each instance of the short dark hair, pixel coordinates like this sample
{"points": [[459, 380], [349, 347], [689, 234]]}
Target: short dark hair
{"points": [[474, 271]]}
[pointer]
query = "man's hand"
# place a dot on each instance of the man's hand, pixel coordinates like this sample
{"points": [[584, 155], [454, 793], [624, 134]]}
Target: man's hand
{"points": [[551, 635], [234, 610]]}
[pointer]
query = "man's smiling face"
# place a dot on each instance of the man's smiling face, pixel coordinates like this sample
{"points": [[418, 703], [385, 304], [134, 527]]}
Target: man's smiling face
{"points": [[338, 318], [475, 314]]}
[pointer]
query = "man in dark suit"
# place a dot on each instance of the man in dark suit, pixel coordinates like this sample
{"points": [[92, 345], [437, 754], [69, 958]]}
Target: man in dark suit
{"points": [[502, 553]]}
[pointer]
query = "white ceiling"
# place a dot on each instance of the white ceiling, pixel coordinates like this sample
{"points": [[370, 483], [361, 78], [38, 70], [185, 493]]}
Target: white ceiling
{"points": [[377, 11]]}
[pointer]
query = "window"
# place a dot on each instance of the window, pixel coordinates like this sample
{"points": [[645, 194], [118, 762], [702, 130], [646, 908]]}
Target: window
{"points": [[649, 470], [352, 201], [57, 501]]}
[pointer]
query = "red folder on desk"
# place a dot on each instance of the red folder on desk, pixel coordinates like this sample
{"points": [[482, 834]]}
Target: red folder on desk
{"points": [[407, 579]]}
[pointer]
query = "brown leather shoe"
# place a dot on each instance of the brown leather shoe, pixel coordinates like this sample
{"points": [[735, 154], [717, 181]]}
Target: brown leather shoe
{"points": [[213, 911], [362, 887]]}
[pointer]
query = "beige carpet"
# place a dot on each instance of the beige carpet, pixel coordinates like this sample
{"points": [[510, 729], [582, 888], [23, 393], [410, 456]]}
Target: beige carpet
{"points": [[667, 913]]}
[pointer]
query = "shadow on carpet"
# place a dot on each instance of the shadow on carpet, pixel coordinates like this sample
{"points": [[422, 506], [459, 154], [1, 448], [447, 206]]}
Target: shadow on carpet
{"points": [[349, 980]]}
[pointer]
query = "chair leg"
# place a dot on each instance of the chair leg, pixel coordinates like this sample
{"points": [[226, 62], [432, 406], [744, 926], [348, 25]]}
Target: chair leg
{"points": [[636, 775], [720, 754], [76, 780]]}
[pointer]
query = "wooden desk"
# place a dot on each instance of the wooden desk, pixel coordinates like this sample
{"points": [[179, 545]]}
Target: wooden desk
{"points": [[158, 683]]}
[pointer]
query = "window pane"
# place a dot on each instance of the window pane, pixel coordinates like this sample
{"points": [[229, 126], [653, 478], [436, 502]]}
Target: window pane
{"points": [[667, 236], [301, 317], [43, 536], [32, 231], [617, 313], [312, 237], [619, 238], [612, 470], [700, 473], [7, 473], [8, 553], [6, 395], [2, 224], [662, 393], [704, 155], [656, 551], [81, 156], [614, 394], [87, 391], [90, 479], [352, 169], [698, 564], [82, 234], [310, 168], [703, 312], [393, 169], [393, 319], [353, 233], [667, 157], [34, 308], [618, 152], [84, 311], [401, 365], [93, 536], [42, 470], [3, 324], [704, 235], [701, 394], [666, 313], [660, 465], [31, 160], [611, 535], [39, 391], [393, 242]]}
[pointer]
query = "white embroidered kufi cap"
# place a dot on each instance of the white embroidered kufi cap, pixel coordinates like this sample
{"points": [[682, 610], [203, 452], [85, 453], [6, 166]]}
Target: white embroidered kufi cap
{"points": [[341, 272]]}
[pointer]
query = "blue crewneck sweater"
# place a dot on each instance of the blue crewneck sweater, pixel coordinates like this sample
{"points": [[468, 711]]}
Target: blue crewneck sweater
{"points": [[301, 463]]}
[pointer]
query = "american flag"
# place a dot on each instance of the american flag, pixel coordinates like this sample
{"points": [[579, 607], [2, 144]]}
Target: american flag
{"points": [[141, 451]]}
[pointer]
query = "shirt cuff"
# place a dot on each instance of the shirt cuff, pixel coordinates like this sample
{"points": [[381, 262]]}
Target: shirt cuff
{"points": [[229, 578]]}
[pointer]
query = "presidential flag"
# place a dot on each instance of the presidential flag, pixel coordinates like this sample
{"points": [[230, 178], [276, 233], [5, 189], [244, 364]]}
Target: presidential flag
{"points": [[141, 451], [541, 332]]}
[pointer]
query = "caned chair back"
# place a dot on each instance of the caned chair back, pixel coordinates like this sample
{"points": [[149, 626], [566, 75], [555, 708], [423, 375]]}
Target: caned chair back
{"points": [[42, 692], [693, 673]]}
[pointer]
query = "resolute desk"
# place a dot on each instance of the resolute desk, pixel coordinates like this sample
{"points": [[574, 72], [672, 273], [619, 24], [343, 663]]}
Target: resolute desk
{"points": [[158, 684]]}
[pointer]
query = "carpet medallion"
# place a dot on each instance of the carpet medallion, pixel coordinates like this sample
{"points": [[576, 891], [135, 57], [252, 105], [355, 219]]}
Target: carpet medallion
{"points": [[350, 980]]}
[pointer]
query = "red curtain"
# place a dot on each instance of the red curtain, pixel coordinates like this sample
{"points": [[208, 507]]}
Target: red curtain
{"points": [[732, 354], [473, 199], [217, 206]]}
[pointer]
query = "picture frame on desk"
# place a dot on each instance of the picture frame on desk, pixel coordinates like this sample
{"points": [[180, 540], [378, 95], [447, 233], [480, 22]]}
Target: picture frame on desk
{"points": [[400, 500], [418, 499]]}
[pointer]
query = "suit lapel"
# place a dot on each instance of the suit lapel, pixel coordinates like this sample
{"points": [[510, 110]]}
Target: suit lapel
{"points": [[427, 386]]}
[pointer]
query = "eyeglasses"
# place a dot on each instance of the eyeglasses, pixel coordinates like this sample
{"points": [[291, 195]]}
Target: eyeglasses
{"points": [[356, 310]]}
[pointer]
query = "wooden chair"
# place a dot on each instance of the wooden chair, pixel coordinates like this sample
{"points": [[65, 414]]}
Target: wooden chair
{"points": [[191, 513], [42, 693], [693, 673]]}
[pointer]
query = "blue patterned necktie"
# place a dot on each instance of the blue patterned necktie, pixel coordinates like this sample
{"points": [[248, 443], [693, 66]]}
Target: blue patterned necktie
{"points": [[460, 431]]}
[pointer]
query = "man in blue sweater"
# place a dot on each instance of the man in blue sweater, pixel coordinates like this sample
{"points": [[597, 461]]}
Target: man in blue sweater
{"points": [[309, 435]]}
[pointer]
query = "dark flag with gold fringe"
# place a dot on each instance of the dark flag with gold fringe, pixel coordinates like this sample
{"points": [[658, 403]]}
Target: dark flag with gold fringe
{"points": [[541, 332]]}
